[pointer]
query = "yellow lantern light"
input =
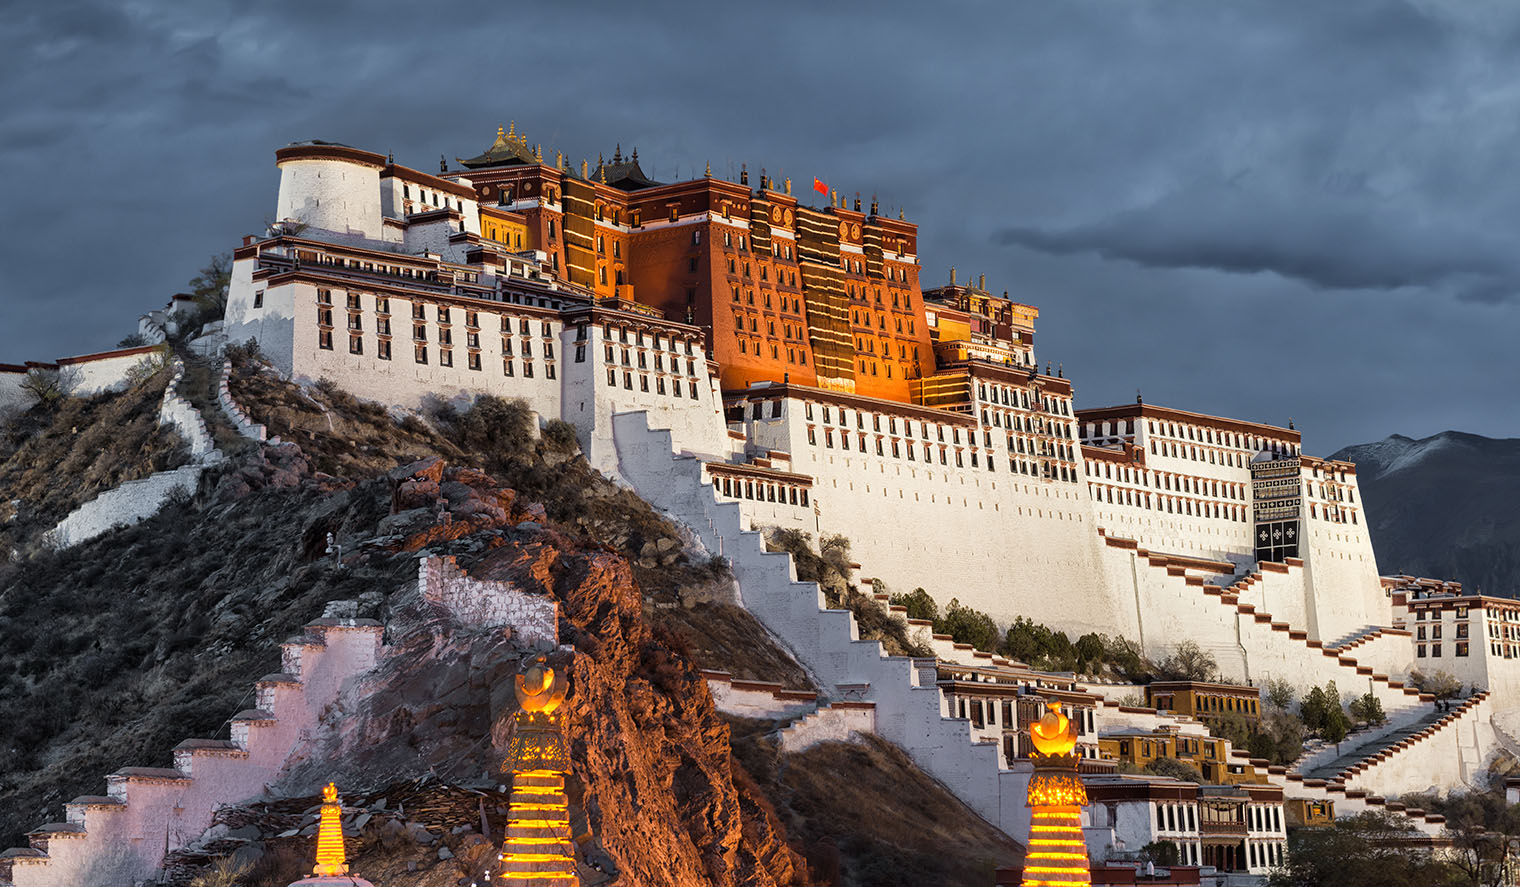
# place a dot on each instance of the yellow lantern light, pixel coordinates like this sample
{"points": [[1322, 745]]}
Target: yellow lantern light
{"points": [[1057, 854], [538, 848], [330, 855]]}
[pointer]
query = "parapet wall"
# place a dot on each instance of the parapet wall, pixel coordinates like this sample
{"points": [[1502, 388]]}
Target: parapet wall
{"points": [[137, 500], [484, 603], [121, 837], [234, 411]]}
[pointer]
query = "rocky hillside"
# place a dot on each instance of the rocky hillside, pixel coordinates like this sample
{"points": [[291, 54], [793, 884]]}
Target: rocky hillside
{"points": [[59, 454], [113, 651], [1444, 507]]}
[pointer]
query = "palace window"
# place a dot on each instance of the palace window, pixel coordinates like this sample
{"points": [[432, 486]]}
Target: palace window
{"points": [[420, 353], [324, 340], [355, 344], [383, 349]]}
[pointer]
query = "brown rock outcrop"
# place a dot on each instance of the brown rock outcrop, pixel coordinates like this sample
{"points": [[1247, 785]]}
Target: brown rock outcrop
{"points": [[651, 754]]}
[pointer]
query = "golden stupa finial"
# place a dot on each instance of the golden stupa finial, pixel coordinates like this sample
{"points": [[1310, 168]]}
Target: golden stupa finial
{"points": [[538, 153], [585, 169], [330, 855], [708, 173], [1053, 734], [512, 132], [540, 687], [500, 131], [603, 169]]}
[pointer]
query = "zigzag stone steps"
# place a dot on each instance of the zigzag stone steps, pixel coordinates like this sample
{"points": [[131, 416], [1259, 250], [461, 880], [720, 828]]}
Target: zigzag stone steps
{"points": [[121, 836], [826, 642], [1265, 636]]}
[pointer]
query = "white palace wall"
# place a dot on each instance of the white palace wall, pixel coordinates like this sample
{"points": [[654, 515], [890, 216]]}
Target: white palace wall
{"points": [[1007, 544], [1343, 575], [339, 197], [568, 359]]}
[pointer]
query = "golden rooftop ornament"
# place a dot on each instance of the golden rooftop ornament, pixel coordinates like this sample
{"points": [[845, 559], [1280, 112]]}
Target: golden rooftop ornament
{"points": [[538, 849], [332, 862], [1057, 852]]}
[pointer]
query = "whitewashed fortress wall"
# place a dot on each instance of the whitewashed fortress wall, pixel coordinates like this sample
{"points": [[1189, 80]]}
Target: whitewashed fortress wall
{"points": [[1012, 504]]}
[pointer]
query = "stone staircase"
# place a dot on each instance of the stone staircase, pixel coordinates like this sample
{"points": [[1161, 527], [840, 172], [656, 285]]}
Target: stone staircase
{"points": [[1279, 648], [825, 641], [1340, 765], [834, 721], [122, 836], [137, 500], [234, 412]]}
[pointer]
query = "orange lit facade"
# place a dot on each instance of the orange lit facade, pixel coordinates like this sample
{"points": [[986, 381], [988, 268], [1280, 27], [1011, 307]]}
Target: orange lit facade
{"points": [[821, 297]]}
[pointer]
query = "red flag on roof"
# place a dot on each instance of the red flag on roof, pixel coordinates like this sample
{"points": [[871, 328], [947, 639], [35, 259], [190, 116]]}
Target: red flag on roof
{"points": [[819, 186]]}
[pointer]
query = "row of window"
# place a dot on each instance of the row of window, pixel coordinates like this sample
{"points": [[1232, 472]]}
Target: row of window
{"points": [[1435, 649], [640, 357], [1197, 454], [473, 359], [1047, 470], [426, 195], [1263, 855], [656, 341], [1334, 515], [674, 389], [789, 303], [1164, 480], [1252, 443], [1169, 504], [796, 354], [761, 491], [443, 314], [1435, 631]]}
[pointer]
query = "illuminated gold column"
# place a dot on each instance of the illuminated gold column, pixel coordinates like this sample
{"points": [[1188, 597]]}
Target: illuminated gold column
{"points": [[332, 864], [1057, 852], [538, 851], [330, 856]]}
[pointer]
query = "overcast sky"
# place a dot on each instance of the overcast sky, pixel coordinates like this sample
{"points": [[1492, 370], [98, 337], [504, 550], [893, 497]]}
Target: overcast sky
{"points": [[1259, 210]]}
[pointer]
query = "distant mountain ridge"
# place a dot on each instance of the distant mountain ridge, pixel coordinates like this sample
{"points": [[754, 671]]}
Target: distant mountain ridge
{"points": [[1445, 506]]}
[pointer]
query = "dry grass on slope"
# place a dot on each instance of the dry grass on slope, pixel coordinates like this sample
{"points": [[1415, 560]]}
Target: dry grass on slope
{"points": [[866, 816], [339, 434], [56, 457], [343, 435]]}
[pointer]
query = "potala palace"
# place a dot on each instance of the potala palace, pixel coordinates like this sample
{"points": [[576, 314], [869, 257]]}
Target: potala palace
{"points": [[743, 360]]}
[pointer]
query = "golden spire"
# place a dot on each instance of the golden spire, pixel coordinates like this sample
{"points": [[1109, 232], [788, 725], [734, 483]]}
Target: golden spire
{"points": [[538, 847], [1057, 853], [330, 856], [1053, 734], [708, 173], [585, 169], [512, 133]]}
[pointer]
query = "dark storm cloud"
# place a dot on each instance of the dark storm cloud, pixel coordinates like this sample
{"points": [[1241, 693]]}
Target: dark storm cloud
{"points": [[1149, 173], [1332, 244]]}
